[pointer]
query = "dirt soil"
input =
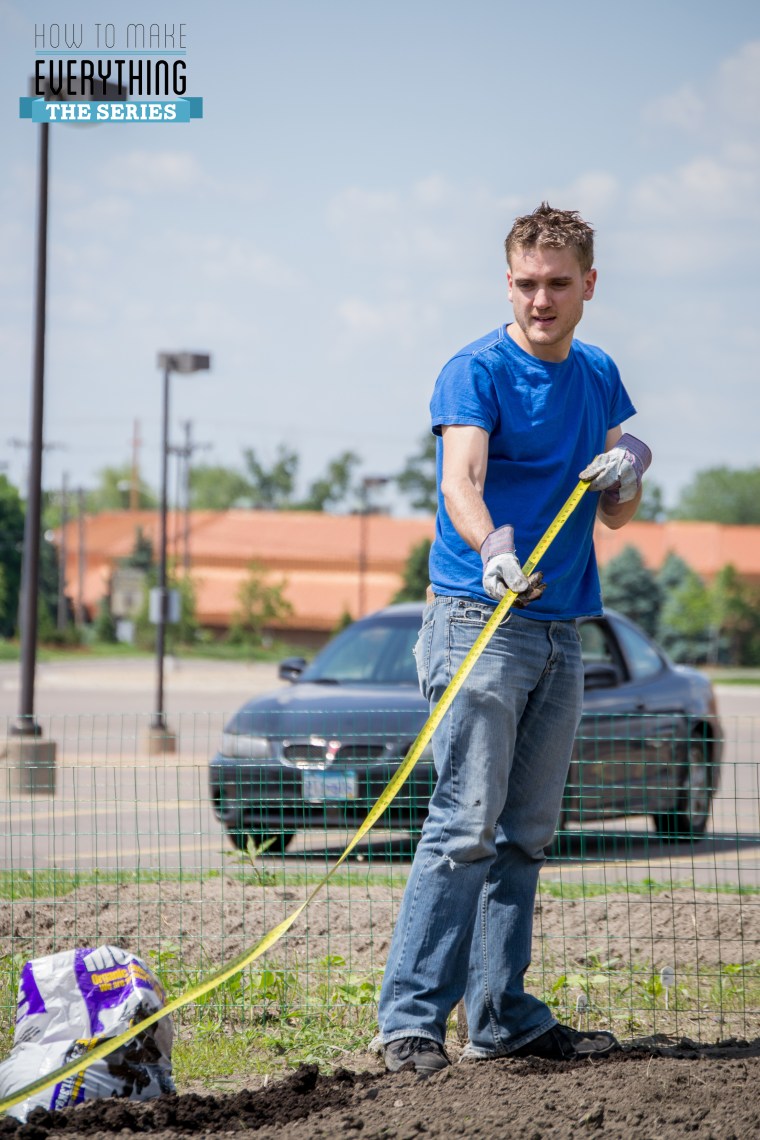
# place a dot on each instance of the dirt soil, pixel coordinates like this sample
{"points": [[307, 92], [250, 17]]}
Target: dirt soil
{"points": [[656, 1092], [658, 1088]]}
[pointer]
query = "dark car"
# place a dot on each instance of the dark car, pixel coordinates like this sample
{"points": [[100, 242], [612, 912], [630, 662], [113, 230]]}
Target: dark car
{"points": [[318, 753]]}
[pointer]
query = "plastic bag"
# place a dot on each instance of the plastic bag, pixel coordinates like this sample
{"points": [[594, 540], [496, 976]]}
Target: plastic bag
{"points": [[67, 1004]]}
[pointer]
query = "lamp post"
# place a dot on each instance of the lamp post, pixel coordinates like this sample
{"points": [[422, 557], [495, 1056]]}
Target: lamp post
{"points": [[159, 738], [367, 483], [28, 749]]}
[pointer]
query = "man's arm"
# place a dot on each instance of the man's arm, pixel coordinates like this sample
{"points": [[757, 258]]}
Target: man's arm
{"points": [[612, 513], [465, 461]]}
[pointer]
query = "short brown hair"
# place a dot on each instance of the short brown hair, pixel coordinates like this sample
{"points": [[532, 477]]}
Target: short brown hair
{"points": [[553, 229]]}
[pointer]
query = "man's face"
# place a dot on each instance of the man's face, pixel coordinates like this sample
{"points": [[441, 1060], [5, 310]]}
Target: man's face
{"points": [[547, 288]]}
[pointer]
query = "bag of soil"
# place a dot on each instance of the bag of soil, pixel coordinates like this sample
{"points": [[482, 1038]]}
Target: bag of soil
{"points": [[67, 1004]]}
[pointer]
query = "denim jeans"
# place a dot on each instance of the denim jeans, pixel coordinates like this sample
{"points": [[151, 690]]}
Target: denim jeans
{"points": [[501, 754]]}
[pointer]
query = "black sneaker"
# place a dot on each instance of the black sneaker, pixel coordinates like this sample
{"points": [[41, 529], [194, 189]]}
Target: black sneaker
{"points": [[426, 1056], [561, 1043]]}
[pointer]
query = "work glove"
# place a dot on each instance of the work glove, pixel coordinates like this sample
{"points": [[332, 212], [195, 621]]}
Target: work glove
{"points": [[502, 572], [619, 472]]}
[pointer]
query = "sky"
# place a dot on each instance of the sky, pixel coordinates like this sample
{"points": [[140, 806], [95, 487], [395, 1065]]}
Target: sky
{"points": [[331, 231]]}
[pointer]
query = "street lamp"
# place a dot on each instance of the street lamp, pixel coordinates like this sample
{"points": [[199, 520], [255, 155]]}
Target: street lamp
{"points": [[367, 483], [28, 747], [159, 739]]}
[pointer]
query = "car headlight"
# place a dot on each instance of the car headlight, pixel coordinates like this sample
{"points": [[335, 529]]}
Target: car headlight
{"points": [[245, 747]]}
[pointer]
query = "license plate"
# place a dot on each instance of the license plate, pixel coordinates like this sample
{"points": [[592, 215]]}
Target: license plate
{"points": [[319, 786]]}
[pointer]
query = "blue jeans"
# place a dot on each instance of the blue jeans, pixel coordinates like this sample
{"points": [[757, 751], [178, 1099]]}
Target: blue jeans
{"points": [[501, 754]]}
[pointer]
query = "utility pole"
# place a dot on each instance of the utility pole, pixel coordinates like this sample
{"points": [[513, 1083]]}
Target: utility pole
{"points": [[134, 482], [184, 453], [81, 559], [62, 621]]}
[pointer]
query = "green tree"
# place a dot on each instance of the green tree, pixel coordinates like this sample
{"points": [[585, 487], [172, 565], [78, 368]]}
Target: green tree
{"points": [[652, 505], [112, 491], [418, 479], [334, 487], [271, 488], [416, 576], [217, 488], [104, 626], [685, 621], [260, 602], [141, 557], [628, 586], [11, 546], [736, 618], [722, 494]]}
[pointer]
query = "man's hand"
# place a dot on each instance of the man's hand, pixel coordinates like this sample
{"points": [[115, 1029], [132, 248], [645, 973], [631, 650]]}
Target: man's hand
{"points": [[502, 571], [619, 471]]}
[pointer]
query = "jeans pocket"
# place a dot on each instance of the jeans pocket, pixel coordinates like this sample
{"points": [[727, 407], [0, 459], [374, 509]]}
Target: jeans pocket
{"points": [[467, 612], [422, 654]]}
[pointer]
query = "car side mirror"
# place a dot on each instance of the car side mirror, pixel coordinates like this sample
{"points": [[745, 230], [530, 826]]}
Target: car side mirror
{"points": [[600, 675], [291, 668]]}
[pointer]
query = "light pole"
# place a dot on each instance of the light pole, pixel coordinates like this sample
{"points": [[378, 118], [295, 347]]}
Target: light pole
{"points": [[159, 738], [28, 749], [368, 482]]}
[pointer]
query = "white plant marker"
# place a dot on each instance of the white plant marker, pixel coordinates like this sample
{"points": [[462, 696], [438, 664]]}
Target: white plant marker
{"points": [[581, 1006], [668, 979]]}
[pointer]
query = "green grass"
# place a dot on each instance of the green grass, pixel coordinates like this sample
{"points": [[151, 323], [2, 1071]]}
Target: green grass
{"points": [[211, 651]]}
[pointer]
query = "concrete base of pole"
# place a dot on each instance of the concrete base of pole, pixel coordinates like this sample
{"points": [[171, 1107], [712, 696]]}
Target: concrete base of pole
{"points": [[31, 766], [159, 740]]}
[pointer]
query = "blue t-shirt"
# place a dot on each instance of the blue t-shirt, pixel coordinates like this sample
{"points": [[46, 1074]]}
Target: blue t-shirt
{"points": [[546, 423]]}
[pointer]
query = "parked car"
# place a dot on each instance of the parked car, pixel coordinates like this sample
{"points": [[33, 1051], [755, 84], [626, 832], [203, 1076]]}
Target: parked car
{"points": [[319, 752]]}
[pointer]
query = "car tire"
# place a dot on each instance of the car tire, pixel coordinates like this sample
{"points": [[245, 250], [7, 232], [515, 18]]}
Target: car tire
{"points": [[690, 815], [240, 835]]}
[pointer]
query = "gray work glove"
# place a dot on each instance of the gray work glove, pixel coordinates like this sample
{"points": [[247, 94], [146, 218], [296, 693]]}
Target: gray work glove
{"points": [[502, 572], [619, 472]]}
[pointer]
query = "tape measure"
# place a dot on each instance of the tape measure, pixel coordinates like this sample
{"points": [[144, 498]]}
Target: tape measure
{"points": [[247, 957]]}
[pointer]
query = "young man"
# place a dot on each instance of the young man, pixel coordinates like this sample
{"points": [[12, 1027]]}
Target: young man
{"points": [[520, 415]]}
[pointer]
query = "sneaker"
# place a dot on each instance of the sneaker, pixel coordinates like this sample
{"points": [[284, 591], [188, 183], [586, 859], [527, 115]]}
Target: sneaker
{"points": [[561, 1043], [425, 1056]]}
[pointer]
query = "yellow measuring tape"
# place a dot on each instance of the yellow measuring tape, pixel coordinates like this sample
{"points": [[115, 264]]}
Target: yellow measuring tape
{"points": [[110, 1044]]}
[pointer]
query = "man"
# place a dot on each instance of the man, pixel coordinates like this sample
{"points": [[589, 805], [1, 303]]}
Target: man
{"points": [[520, 413]]}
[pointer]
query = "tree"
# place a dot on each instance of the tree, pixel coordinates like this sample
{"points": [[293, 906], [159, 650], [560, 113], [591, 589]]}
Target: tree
{"points": [[112, 492], [335, 486], [652, 505], [628, 586], [416, 577], [418, 479], [272, 488], [11, 546], [260, 602], [724, 495], [104, 625], [736, 617], [685, 621], [217, 488]]}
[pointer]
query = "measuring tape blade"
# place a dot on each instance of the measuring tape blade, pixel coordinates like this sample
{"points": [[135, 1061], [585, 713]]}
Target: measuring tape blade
{"points": [[399, 777]]}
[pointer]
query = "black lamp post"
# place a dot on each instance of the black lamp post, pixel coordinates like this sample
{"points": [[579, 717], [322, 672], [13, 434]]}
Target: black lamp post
{"points": [[25, 724], [183, 363]]}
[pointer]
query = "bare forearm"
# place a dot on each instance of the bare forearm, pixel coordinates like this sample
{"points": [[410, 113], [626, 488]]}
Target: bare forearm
{"points": [[614, 514], [467, 511]]}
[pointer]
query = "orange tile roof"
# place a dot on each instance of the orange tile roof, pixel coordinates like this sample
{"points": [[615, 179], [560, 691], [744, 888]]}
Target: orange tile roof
{"points": [[317, 555]]}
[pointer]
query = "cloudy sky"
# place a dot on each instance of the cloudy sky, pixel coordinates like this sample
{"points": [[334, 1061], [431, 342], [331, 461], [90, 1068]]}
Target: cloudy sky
{"points": [[331, 230]]}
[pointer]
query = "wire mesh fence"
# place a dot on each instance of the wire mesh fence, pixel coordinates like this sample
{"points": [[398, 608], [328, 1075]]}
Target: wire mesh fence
{"points": [[647, 918]]}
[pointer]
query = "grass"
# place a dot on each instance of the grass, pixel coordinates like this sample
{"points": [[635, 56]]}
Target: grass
{"points": [[212, 651]]}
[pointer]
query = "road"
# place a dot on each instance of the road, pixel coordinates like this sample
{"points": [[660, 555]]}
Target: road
{"points": [[153, 812]]}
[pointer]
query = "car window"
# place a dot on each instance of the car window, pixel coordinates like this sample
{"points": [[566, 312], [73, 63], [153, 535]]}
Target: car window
{"points": [[643, 658], [372, 653], [596, 644]]}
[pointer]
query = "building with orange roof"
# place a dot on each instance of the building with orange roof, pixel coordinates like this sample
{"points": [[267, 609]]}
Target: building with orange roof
{"points": [[332, 565]]}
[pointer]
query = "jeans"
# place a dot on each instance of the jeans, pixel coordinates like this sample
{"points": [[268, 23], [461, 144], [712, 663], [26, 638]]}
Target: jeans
{"points": [[501, 755]]}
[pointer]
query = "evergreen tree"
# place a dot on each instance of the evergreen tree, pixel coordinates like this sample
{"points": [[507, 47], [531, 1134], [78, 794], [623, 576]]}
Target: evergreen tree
{"points": [[684, 626], [628, 586]]}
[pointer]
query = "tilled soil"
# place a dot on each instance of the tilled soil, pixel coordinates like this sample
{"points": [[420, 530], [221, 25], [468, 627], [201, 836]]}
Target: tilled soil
{"points": [[654, 1093]]}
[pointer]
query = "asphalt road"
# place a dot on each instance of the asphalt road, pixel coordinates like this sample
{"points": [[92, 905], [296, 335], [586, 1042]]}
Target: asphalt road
{"points": [[116, 807]]}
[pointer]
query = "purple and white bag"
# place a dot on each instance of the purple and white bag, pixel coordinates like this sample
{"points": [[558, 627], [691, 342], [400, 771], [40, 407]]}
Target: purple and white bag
{"points": [[67, 1004]]}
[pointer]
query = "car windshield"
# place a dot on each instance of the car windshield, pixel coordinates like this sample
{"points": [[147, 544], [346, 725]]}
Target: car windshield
{"points": [[377, 652]]}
